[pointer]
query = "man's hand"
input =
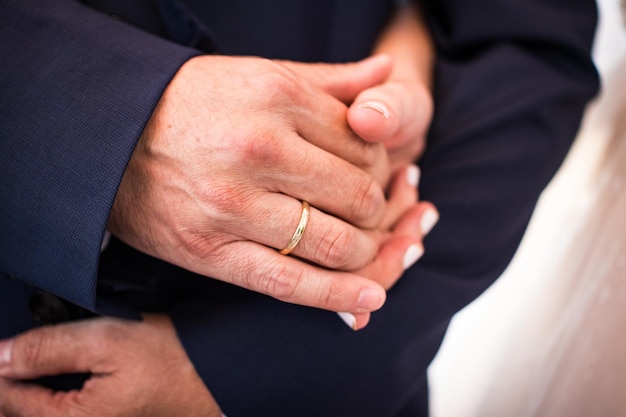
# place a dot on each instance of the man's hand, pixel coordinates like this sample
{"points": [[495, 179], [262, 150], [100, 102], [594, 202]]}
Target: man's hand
{"points": [[215, 183], [138, 369]]}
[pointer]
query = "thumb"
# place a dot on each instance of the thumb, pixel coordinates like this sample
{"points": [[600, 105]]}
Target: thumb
{"points": [[393, 113], [51, 350], [344, 81]]}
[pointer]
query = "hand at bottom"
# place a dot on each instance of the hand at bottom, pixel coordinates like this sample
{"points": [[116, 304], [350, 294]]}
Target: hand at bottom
{"points": [[137, 369]]}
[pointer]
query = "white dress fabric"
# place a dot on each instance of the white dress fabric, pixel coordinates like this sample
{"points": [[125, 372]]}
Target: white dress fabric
{"points": [[549, 338]]}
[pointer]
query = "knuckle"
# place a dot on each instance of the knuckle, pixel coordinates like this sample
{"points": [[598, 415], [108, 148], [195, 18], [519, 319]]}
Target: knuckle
{"points": [[335, 248], [277, 280], [264, 149], [226, 199], [336, 296], [277, 87], [369, 155], [368, 202], [191, 242], [111, 331], [31, 347], [258, 142], [210, 247]]}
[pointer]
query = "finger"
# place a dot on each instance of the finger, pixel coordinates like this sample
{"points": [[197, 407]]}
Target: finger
{"points": [[396, 255], [264, 270], [290, 165], [402, 195], [393, 113], [324, 239], [320, 117], [334, 135], [51, 350], [344, 81], [322, 121], [404, 247], [27, 400]]}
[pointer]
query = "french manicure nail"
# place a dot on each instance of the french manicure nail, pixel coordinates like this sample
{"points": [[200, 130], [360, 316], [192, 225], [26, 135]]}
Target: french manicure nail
{"points": [[371, 299], [349, 319], [412, 254], [376, 106], [429, 220], [413, 175]]}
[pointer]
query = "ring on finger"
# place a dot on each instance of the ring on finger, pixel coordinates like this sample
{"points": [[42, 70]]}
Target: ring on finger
{"points": [[297, 235]]}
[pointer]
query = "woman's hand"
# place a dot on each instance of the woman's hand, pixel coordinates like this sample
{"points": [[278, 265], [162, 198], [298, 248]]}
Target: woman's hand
{"points": [[396, 112]]}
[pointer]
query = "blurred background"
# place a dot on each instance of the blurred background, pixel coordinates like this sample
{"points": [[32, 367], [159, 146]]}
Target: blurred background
{"points": [[549, 338]]}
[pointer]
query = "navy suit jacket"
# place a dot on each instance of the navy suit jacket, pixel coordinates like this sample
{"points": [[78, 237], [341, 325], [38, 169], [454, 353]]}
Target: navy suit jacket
{"points": [[80, 79]]}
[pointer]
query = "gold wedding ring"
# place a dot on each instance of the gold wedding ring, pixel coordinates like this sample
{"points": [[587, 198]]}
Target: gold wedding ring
{"points": [[297, 235]]}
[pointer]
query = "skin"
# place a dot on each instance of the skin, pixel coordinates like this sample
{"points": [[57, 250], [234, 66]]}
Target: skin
{"points": [[389, 108], [121, 355], [132, 363], [398, 111], [219, 185], [219, 169]]}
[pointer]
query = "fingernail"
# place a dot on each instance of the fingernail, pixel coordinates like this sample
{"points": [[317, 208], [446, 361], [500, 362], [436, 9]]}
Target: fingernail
{"points": [[429, 220], [6, 349], [413, 175], [376, 106], [412, 254], [371, 299], [349, 319]]}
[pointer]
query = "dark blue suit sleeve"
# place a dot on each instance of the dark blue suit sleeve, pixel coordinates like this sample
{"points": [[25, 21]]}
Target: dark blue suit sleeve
{"points": [[77, 89], [512, 80]]}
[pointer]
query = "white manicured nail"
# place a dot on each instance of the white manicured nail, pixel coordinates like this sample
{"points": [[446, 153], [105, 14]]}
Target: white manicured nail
{"points": [[413, 175], [376, 106], [349, 319], [429, 220], [412, 254]]}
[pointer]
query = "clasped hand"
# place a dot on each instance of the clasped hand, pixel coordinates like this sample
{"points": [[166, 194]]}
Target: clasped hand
{"points": [[214, 186], [216, 182]]}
